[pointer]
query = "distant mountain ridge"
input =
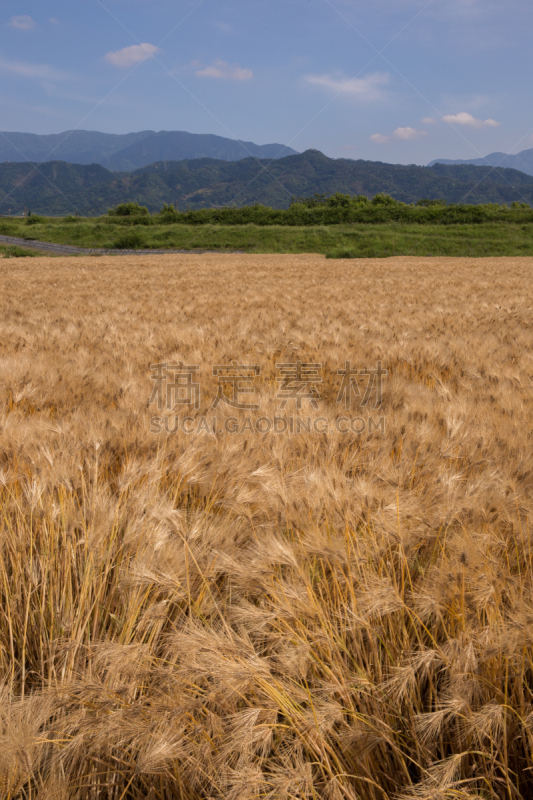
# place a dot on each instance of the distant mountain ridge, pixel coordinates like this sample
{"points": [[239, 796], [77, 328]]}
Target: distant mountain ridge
{"points": [[59, 188], [522, 161], [164, 145], [130, 151]]}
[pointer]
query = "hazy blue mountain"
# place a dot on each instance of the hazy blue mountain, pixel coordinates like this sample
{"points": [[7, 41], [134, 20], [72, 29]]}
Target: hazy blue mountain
{"points": [[76, 147], [57, 188], [125, 152], [522, 161], [181, 146]]}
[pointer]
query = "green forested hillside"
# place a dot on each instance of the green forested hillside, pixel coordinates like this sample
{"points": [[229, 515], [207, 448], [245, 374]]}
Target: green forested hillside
{"points": [[57, 188], [48, 188]]}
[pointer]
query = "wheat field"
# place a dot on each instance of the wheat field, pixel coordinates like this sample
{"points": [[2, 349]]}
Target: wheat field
{"points": [[239, 614]]}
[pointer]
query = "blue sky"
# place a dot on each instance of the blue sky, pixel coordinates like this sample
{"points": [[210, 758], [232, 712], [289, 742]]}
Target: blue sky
{"points": [[402, 81]]}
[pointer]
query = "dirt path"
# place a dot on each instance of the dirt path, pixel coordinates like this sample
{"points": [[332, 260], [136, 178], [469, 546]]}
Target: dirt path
{"points": [[69, 250]]}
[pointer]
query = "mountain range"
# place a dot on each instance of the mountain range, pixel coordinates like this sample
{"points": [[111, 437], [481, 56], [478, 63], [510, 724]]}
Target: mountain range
{"points": [[59, 188], [130, 151], [522, 161]]}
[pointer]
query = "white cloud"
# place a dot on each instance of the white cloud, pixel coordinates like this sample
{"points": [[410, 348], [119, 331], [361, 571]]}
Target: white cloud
{"points": [[463, 118], [23, 23], [400, 134], [368, 88], [129, 56], [379, 138], [26, 70], [429, 121], [224, 71], [407, 134]]}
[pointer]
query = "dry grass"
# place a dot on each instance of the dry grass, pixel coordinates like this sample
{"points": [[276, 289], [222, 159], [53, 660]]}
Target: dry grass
{"points": [[315, 616]]}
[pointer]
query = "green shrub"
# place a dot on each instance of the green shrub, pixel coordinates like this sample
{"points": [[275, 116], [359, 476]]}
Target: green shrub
{"points": [[383, 199], [336, 209], [168, 214], [14, 251], [429, 203], [128, 210], [131, 240], [35, 220]]}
